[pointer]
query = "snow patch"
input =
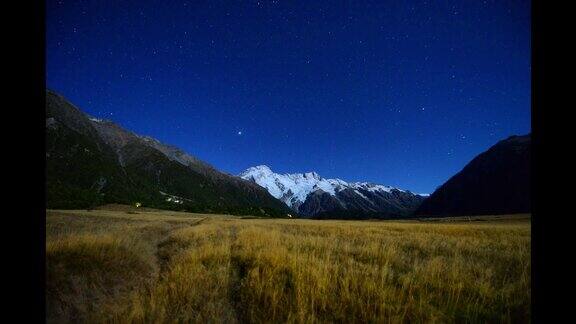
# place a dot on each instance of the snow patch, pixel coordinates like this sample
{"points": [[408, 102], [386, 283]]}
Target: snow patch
{"points": [[172, 198], [96, 120], [360, 194]]}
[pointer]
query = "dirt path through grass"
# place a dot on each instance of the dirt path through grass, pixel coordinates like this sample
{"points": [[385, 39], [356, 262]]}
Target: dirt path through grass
{"points": [[155, 268]]}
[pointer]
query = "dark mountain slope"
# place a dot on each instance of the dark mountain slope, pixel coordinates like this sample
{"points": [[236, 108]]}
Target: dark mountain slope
{"points": [[91, 162], [379, 205], [495, 182]]}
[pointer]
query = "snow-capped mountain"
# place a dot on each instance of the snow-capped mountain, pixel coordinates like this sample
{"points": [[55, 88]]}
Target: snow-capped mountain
{"points": [[310, 195]]}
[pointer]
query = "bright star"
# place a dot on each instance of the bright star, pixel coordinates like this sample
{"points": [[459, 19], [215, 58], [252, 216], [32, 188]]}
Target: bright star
{"points": [[239, 132]]}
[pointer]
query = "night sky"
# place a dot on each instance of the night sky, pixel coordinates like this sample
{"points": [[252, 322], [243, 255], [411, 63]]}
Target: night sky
{"points": [[402, 93]]}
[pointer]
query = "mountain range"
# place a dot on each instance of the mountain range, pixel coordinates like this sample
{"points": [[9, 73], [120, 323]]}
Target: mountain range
{"points": [[310, 195], [90, 162]]}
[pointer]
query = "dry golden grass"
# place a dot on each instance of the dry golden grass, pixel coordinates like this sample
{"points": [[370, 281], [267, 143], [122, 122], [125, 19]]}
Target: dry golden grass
{"points": [[111, 266]]}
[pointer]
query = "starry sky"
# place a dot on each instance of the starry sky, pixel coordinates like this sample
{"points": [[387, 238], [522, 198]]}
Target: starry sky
{"points": [[402, 93]]}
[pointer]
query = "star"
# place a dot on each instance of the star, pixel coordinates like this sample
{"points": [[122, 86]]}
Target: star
{"points": [[239, 132]]}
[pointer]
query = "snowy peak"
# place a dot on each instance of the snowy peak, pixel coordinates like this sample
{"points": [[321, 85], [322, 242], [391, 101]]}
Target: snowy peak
{"points": [[296, 189], [259, 170], [290, 188], [312, 175]]}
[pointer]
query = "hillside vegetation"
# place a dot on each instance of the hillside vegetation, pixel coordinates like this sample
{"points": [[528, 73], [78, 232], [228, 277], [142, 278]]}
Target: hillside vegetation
{"points": [[158, 266], [90, 163]]}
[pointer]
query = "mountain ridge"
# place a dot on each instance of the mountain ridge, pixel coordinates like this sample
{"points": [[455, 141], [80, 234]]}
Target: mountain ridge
{"points": [[92, 161], [496, 181], [311, 195]]}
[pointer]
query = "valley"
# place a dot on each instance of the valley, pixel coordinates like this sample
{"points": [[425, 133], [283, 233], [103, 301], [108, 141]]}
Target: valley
{"points": [[286, 162]]}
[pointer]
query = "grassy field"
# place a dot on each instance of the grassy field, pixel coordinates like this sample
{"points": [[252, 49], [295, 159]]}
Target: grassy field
{"points": [[153, 266]]}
